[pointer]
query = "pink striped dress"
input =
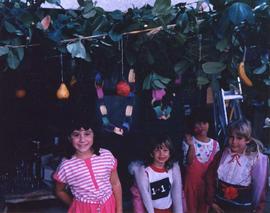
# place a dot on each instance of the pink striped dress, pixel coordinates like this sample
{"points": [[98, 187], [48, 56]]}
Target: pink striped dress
{"points": [[89, 182]]}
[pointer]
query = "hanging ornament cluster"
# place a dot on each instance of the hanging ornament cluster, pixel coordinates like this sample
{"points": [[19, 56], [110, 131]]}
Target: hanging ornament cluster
{"points": [[128, 93], [62, 92], [161, 107]]}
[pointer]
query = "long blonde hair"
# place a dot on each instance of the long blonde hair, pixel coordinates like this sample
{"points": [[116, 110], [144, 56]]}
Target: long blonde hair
{"points": [[242, 128]]}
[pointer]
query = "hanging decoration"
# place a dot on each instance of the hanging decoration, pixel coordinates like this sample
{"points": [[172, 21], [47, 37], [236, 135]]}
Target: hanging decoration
{"points": [[107, 124], [123, 88], [242, 72], [62, 92], [20, 93], [161, 107]]}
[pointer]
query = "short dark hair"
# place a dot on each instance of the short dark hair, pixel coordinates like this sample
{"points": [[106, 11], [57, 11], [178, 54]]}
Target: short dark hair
{"points": [[76, 124], [198, 114]]}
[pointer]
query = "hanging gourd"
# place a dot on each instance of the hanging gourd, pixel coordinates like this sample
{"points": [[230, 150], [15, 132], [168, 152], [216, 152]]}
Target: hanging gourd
{"points": [[20, 93], [62, 92]]}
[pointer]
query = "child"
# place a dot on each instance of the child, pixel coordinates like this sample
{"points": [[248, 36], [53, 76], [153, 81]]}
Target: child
{"points": [[91, 175], [159, 182], [199, 151], [237, 178]]}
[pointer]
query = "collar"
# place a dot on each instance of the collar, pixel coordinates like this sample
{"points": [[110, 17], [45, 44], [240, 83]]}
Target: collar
{"points": [[156, 169]]}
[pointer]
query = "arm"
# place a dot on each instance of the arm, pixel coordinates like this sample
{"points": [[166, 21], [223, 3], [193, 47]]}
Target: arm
{"points": [[177, 189], [143, 186], [61, 193], [117, 191], [189, 149], [211, 177]]}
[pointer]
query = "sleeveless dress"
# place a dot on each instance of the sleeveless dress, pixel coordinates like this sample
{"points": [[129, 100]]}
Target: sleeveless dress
{"points": [[195, 187]]}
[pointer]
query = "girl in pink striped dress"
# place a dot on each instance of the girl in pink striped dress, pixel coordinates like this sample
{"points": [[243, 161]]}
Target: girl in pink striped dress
{"points": [[90, 174]]}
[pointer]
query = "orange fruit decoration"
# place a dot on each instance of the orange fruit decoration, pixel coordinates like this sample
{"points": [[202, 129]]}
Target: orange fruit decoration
{"points": [[122, 88], [62, 92], [20, 93]]}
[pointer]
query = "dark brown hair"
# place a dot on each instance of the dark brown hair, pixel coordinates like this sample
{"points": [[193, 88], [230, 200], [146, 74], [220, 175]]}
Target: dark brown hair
{"points": [[158, 141], [77, 124]]}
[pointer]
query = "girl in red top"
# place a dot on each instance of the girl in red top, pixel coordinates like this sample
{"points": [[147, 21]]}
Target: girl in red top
{"points": [[199, 151], [91, 175]]}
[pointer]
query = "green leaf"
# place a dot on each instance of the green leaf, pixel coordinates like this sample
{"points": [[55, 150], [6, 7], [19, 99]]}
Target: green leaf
{"points": [[182, 20], [88, 57], [19, 52], [156, 84], [12, 60], [10, 27], [88, 11], [213, 67], [222, 45], [239, 12], [164, 80], [161, 7], [267, 81], [98, 23], [147, 82], [117, 15], [181, 66], [3, 50], [268, 102], [77, 50], [27, 19], [89, 14], [201, 80], [115, 36], [260, 70]]}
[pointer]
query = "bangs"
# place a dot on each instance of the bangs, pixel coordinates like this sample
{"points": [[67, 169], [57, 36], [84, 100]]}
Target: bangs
{"points": [[77, 124], [240, 128], [238, 133], [163, 145]]}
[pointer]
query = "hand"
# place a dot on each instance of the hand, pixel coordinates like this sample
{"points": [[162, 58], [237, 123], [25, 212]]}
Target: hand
{"points": [[216, 208], [188, 139]]}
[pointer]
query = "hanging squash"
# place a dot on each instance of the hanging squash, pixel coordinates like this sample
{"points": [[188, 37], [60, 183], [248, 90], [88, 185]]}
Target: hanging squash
{"points": [[62, 92]]}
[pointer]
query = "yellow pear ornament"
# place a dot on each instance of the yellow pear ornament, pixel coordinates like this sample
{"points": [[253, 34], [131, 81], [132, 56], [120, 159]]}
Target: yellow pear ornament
{"points": [[62, 92]]}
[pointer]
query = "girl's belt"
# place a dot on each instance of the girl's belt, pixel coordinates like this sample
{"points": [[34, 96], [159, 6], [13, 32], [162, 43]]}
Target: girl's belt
{"points": [[234, 194]]}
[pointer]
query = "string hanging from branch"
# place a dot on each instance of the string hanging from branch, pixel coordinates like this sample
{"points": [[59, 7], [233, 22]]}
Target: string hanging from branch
{"points": [[62, 92]]}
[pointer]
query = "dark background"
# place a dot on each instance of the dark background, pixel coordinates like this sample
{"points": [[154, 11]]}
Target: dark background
{"points": [[41, 116]]}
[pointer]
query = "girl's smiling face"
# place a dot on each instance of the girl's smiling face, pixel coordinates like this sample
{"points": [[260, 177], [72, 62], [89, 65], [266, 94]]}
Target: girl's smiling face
{"points": [[161, 155], [82, 140]]}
